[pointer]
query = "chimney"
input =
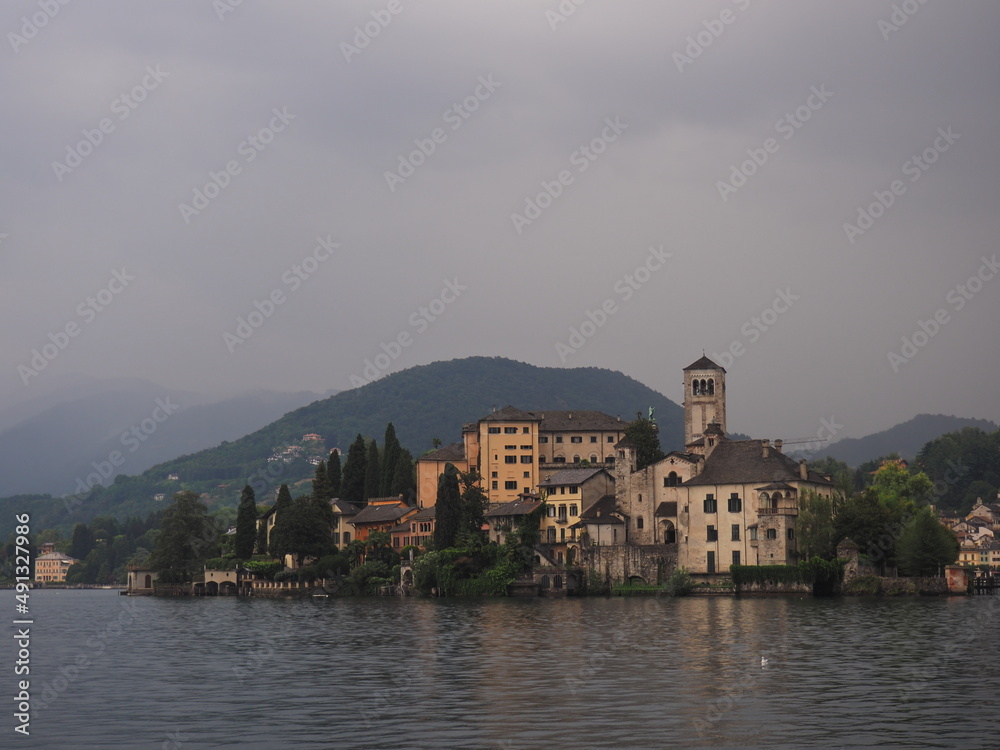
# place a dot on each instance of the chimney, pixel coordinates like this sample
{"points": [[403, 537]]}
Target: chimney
{"points": [[777, 445], [766, 445], [803, 469]]}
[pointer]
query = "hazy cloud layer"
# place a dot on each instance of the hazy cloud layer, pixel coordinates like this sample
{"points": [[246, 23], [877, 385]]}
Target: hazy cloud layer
{"points": [[119, 115]]}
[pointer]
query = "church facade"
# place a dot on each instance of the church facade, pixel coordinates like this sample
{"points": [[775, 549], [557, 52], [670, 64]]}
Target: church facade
{"points": [[720, 501]]}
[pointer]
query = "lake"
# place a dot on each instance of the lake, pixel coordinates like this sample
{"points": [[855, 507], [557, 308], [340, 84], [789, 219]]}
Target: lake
{"points": [[508, 674]]}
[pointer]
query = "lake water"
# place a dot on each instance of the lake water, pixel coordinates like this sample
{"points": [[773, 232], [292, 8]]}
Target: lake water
{"points": [[507, 674]]}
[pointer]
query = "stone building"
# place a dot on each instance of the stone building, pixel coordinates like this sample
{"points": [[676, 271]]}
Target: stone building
{"points": [[721, 501]]}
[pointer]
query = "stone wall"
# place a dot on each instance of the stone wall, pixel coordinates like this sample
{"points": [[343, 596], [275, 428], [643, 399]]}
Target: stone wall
{"points": [[618, 563]]}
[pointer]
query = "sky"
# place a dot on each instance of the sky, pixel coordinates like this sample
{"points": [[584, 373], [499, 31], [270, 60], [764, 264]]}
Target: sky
{"points": [[224, 196]]}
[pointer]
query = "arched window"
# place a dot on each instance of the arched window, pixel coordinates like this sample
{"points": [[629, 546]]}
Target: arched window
{"points": [[671, 480], [640, 497], [711, 387], [593, 458], [149, 581], [576, 458], [638, 522]]}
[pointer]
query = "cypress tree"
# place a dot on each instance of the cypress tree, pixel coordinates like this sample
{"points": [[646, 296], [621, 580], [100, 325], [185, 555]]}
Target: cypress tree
{"points": [[448, 513], [353, 486], [283, 519], [321, 483], [372, 474], [390, 456], [83, 542], [333, 473], [403, 481], [246, 524]]}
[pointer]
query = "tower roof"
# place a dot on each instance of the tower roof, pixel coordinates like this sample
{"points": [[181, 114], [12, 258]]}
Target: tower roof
{"points": [[704, 364]]}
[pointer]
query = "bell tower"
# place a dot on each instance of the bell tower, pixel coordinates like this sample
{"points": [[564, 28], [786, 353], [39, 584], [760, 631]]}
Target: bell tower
{"points": [[704, 398]]}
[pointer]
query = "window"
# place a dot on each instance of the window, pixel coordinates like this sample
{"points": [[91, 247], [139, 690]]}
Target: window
{"points": [[347, 537], [791, 534], [526, 447], [772, 533], [496, 484], [611, 438], [526, 475], [593, 438], [527, 460], [753, 533], [574, 489], [510, 485], [510, 447], [593, 458], [572, 510], [525, 430], [710, 504], [713, 534], [560, 459], [551, 511], [510, 459], [543, 439], [576, 439], [609, 460], [736, 557], [671, 479], [558, 438], [494, 430], [576, 458], [562, 490], [639, 522], [640, 497], [736, 532], [493, 475], [509, 430], [541, 459], [735, 504]]}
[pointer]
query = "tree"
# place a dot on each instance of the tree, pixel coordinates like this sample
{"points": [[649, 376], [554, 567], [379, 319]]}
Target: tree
{"points": [[82, 542], [814, 527], [474, 504], [391, 450], [448, 508], [868, 523], [353, 489], [925, 545], [372, 475], [303, 530], [246, 524], [404, 481], [321, 483], [187, 538], [282, 514], [333, 473], [644, 437]]}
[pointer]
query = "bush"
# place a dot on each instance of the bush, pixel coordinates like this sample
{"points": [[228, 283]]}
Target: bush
{"points": [[264, 569], [679, 583]]}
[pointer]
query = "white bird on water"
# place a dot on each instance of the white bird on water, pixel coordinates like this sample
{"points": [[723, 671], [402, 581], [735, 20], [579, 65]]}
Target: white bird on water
{"points": [[763, 661]]}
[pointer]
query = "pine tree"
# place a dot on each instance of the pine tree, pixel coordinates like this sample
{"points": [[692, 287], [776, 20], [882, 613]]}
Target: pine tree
{"points": [[321, 483], [372, 475], [353, 486], [333, 473], [390, 456], [187, 537], [643, 435], [246, 524]]}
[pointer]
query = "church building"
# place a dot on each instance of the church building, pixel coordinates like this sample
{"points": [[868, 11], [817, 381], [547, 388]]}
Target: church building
{"points": [[721, 501]]}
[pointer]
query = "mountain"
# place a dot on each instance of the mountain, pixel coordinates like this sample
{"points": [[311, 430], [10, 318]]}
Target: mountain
{"points": [[423, 403], [906, 438], [52, 442]]}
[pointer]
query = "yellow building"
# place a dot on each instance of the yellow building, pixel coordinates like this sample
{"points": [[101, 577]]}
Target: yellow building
{"points": [[514, 450], [52, 567], [568, 495]]}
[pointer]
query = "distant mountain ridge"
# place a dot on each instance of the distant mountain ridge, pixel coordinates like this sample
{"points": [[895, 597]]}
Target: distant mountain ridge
{"points": [[906, 438]]}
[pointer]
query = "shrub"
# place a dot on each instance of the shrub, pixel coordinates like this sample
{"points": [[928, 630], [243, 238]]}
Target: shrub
{"points": [[679, 583]]}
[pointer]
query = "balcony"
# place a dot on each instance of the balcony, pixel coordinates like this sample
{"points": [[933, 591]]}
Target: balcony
{"points": [[562, 519], [783, 510]]}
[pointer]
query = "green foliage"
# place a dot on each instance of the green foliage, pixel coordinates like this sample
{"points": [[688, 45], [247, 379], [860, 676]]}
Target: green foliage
{"points": [[188, 536], [221, 563], [963, 466], [815, 571], [680, 583], [353, 489], [82, 543], [645, 437], [448, 508], [333, 474], [814, 528], [264, 569], [391, 450], [368, 578], [246, 524], [321, 487], [302, 529], [925, 545], [372, 472]]}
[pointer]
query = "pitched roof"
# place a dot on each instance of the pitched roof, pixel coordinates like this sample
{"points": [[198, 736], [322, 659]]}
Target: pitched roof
{"points": [[584, 421], [425, 514], [514, 508], [601, 510], [510, 414], [56, 556], [703, 364], [381, 513], [666, 509], [572, 476], [743, 462], [451, 452], [343, 507]]}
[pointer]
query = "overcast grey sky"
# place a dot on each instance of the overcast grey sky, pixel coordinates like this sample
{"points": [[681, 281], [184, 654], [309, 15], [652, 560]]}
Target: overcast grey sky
{"points": [[480, 178]]}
